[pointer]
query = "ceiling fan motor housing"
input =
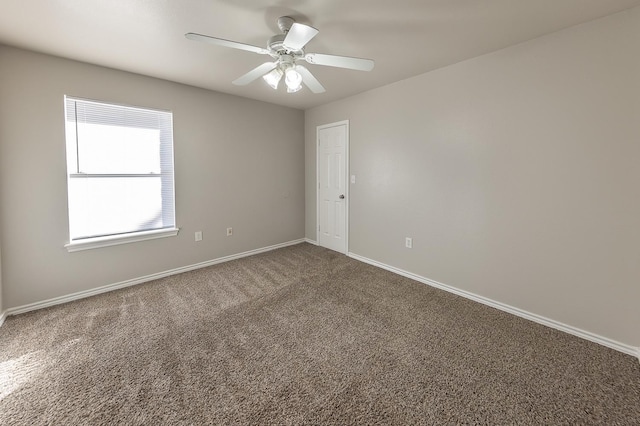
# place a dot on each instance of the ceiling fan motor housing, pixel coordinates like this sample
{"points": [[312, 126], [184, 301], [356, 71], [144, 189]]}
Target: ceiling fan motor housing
{"points": [[276, 44], [276, 47]]}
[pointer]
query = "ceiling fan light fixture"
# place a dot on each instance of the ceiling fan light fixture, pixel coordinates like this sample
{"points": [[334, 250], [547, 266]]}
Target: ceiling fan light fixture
{"points": [[293, 79], [286, 49], [273, 77]]}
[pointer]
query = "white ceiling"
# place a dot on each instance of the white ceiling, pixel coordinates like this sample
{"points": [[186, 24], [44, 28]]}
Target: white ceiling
{"points": [[404, 37]]}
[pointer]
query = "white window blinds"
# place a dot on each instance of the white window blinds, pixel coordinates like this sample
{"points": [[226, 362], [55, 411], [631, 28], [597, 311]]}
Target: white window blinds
{"points": [[120, 169]]}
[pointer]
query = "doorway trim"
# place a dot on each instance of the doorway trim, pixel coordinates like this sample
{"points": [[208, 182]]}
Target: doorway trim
{"points": [[346, 181]]}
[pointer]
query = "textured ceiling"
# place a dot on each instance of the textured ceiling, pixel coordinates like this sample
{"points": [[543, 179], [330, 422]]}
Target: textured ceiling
{"points": [[404, 37]]}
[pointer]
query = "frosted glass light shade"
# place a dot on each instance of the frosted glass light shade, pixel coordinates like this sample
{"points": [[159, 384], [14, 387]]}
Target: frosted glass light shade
{"points": [[293, 79], [273, 78]]}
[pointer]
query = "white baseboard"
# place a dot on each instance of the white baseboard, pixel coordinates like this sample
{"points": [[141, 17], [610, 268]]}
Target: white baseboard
{"points": [[629, 350], [134, 281]]}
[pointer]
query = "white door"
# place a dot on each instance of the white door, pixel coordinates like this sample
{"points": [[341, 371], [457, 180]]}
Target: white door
{"points": [[333, 142]]}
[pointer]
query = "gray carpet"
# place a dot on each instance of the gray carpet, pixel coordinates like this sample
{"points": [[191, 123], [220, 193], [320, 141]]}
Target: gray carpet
{"points": [[302, 335]]}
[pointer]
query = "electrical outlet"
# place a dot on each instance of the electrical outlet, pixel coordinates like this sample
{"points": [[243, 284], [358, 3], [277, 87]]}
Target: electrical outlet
{"points": [[408, 242], [229, 232], [198, 235]]}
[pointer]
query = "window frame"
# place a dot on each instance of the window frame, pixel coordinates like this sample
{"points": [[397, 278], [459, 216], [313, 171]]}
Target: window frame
{"points": [[92, 242]]}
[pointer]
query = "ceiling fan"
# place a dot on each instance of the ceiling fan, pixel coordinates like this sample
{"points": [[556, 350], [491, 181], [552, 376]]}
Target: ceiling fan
{"points": [[287, 49]]}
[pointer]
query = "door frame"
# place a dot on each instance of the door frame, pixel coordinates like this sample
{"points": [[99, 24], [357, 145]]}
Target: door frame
{"points": [[346, 181]]}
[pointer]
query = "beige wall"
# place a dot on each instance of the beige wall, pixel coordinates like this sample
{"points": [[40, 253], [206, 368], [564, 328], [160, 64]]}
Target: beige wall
{"points": [[238, 163], [516, 173], [1, 307]]}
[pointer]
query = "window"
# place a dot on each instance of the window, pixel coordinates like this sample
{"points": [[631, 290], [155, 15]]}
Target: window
{"points": [[119, 174]]}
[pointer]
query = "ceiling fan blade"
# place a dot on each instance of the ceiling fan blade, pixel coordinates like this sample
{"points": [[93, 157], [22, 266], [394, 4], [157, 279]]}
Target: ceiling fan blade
{"points": [[255, 73], [309, 80], [226, 43], [339, 61], [298, 36]]}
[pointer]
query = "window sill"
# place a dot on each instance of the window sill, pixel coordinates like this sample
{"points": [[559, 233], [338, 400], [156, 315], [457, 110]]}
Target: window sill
{"points": [[92, 243]]}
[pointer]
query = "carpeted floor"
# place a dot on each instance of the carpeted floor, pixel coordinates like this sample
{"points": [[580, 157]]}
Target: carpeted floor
{"points": [[302, 335]]}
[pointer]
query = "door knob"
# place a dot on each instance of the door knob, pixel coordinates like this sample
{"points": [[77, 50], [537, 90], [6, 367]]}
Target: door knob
{"points": [[341, 196]]}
